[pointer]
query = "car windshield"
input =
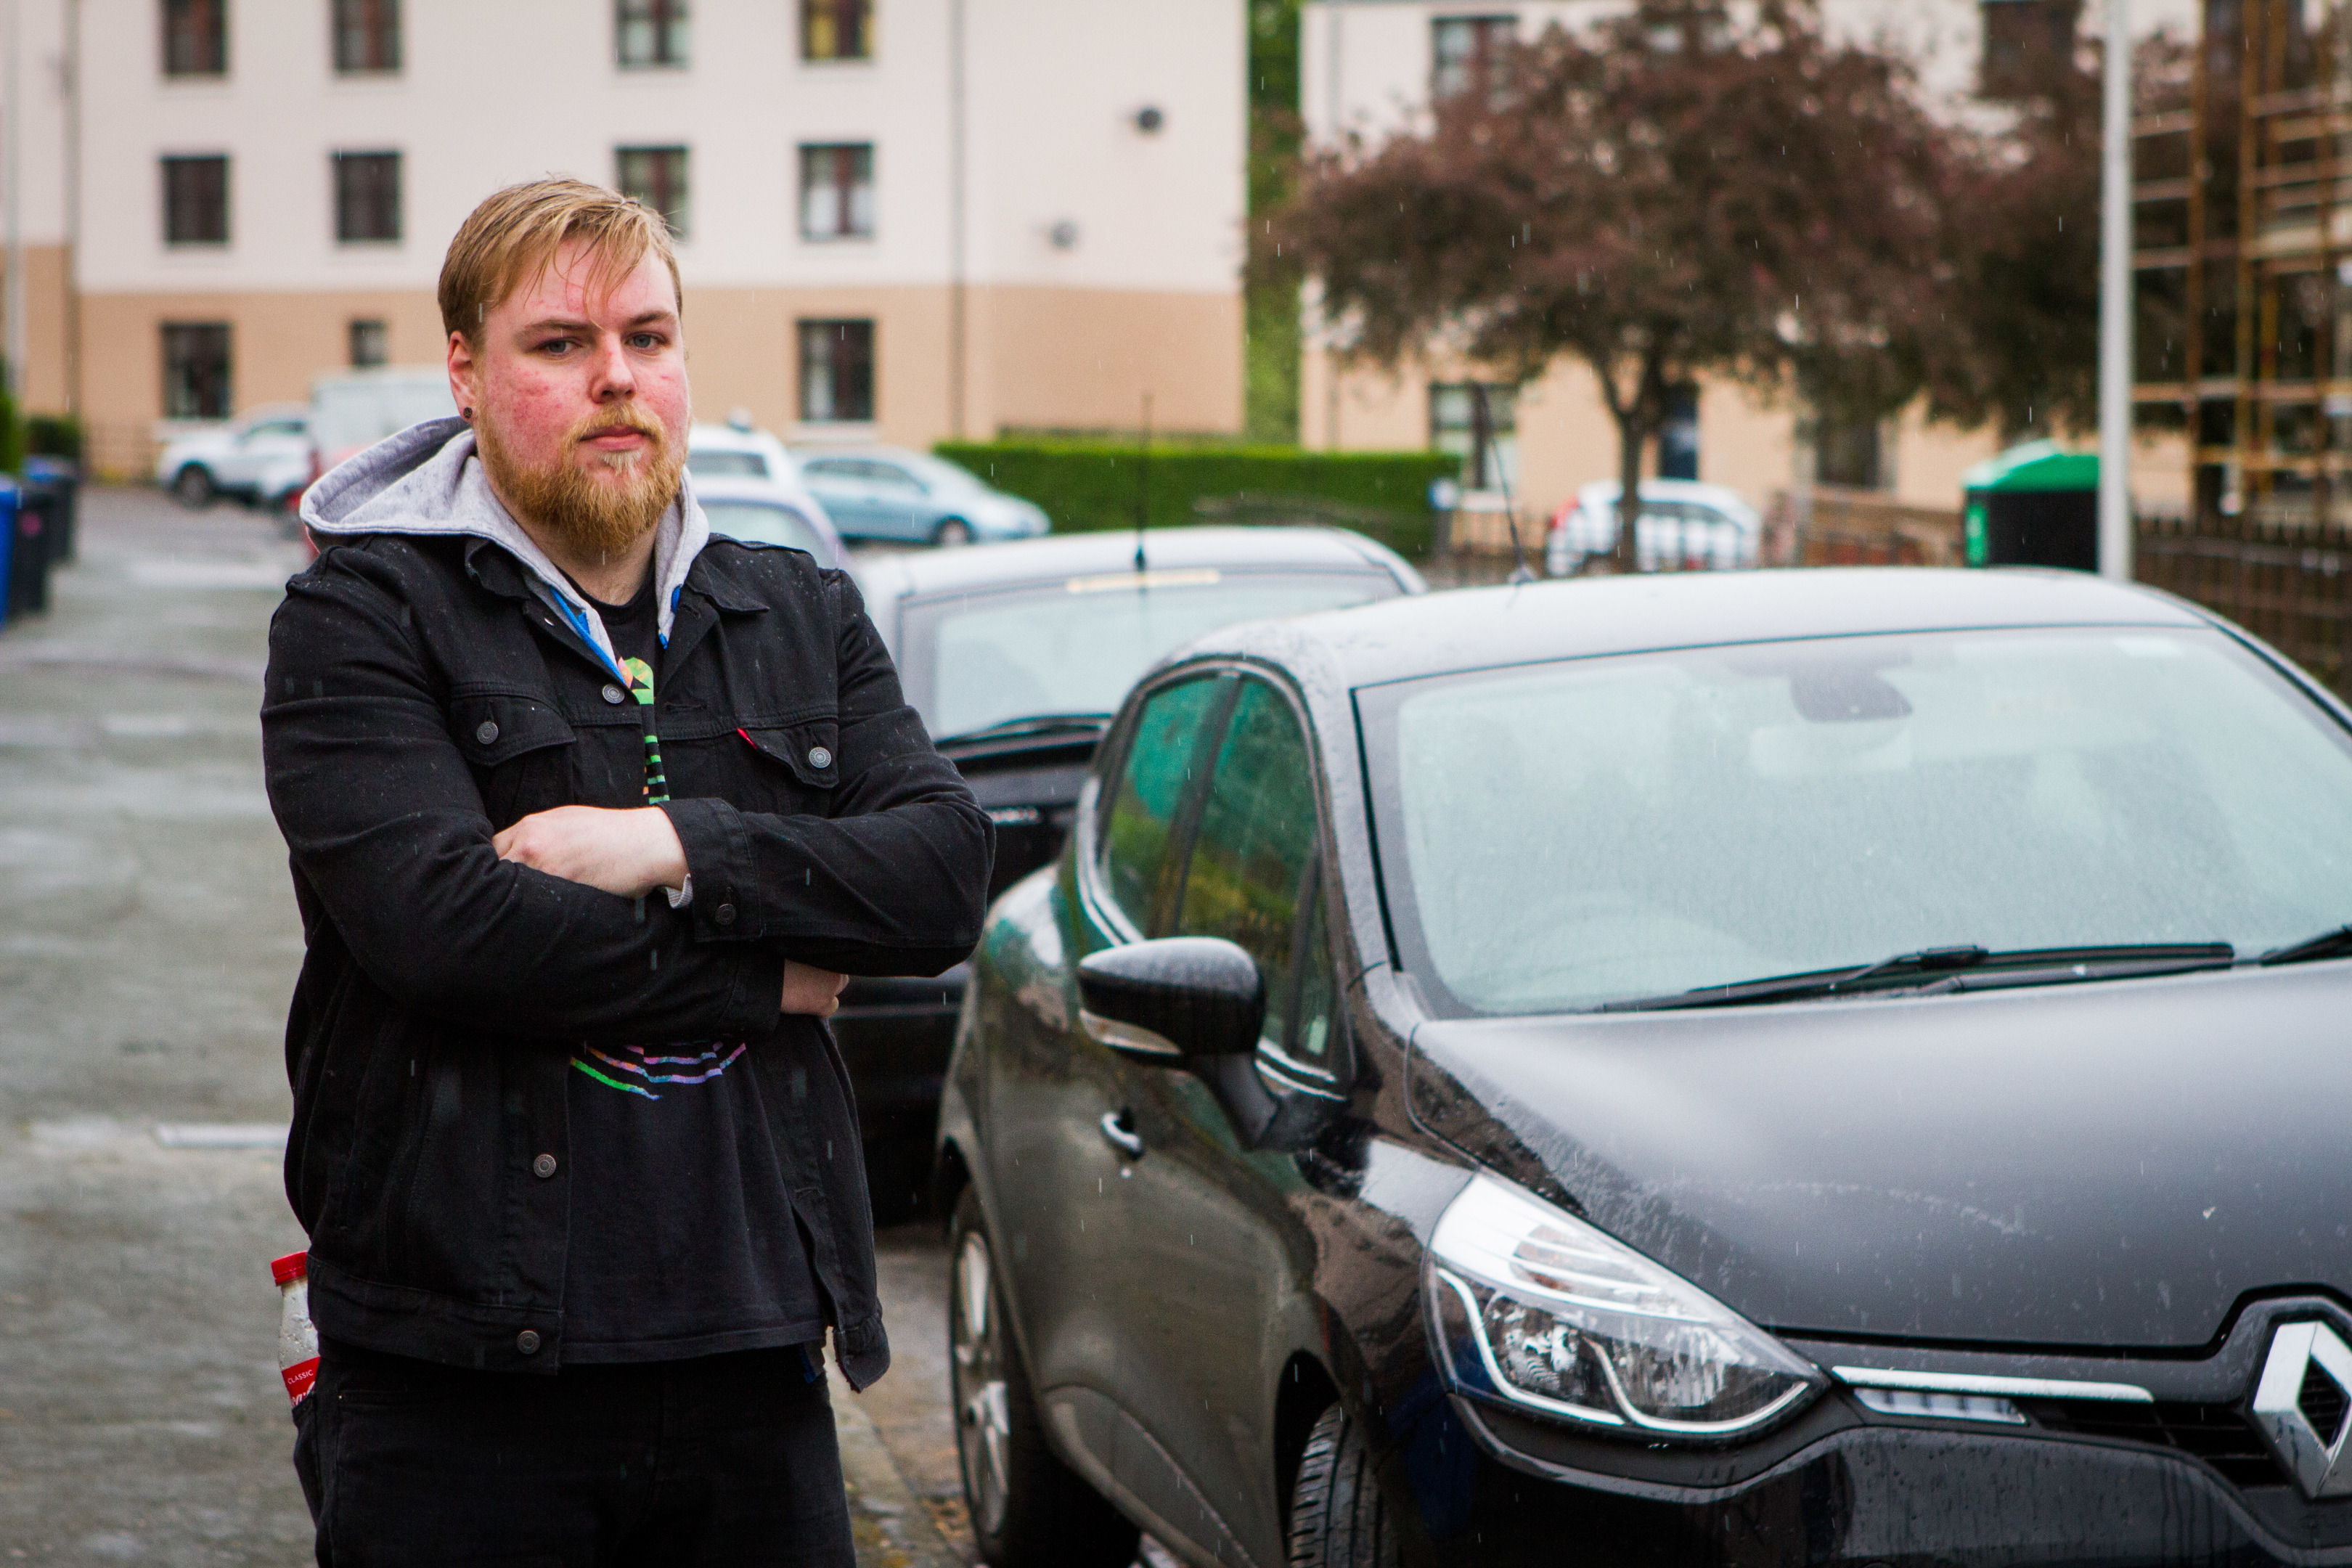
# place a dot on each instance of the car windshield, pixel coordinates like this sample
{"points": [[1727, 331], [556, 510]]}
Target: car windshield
{"points": [[1076, 645], [939, 474], [760, 523], [1573, 834], [705, 463]]}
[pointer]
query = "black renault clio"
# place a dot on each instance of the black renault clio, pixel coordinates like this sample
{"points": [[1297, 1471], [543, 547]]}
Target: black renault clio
{"points": [[1759, 1068]]}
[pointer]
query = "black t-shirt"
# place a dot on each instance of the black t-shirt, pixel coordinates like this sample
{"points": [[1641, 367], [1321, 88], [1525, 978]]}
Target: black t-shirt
{"points": [[683, 1237]]}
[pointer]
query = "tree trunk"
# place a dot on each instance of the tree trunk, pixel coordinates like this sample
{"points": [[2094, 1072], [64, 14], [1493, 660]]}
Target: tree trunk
{"points": [[1632, 438]]}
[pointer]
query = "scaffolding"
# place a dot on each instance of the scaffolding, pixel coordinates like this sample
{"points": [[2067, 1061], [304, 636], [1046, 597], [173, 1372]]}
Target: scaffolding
{"points": [[2242, 217]]}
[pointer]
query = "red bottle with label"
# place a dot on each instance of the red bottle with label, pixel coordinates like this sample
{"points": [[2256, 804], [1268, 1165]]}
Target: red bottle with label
{"points": [[298, 1341]]}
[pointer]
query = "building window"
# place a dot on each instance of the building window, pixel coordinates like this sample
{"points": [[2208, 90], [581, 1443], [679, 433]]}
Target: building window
{"points": [[1678, 436], [371, 344], [367, 197], [195, 37], [2027, 45], [195, 370], [1849, 452], [195, 201], [1463, 50], [651, 32], [837, 191], [367, 35], [1489, 454], [655, 176], [836, 372], [836, 30]]}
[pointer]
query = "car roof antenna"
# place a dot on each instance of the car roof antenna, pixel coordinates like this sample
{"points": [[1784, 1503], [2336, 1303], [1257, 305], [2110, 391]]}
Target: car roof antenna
{"points": [[1143, 486], [1483, 418]]}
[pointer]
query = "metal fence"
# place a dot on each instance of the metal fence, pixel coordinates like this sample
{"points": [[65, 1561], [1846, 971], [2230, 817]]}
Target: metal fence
{"points": [[2289, 584]]}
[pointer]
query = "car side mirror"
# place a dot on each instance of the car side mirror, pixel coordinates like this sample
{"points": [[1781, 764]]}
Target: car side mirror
{"points": [[1177, 997]]}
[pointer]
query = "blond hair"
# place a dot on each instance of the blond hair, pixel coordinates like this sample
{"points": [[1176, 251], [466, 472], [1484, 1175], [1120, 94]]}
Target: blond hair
{"points": [[511, 237]]}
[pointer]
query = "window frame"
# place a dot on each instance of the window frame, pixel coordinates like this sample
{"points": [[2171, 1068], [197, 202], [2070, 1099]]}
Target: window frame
{"points": [[811, 10], [359, 328], [801, 339], [164, 340], [166, 54], [355, 198], [679, 216], [840, 152], [670, 24], [374, 28], [1485, 28], [165, 166], [1091, 846]]}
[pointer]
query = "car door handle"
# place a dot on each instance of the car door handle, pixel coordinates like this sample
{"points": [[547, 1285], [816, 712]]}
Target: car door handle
{"points": [[1118, 1132]]}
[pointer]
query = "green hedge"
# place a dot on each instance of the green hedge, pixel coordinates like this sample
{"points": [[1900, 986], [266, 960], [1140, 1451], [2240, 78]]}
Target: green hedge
{"points": [[1095, 485]]}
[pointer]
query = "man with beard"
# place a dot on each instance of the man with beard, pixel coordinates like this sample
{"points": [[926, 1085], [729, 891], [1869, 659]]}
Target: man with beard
{"points": [[589, 815]]}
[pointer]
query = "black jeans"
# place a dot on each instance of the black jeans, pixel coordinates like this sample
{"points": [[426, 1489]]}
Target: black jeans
{"points": [[721, 1459]]}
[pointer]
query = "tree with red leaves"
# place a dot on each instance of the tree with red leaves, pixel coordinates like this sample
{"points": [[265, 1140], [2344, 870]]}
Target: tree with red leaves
{"points": [[1664, 196]]}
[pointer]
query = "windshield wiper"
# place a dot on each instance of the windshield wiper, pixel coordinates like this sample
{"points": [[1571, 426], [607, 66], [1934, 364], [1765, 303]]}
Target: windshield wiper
{"points": [[1945, 965], [1030, 724], [2337, 943]]}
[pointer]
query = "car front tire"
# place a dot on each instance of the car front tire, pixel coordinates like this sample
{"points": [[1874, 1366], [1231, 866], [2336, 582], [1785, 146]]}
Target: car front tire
{"points": [[1338, 1517], [193, 485], [953, 534], [1027, 1508]]}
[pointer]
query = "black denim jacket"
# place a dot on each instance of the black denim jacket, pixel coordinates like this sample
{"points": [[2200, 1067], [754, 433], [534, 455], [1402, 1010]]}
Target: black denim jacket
{"points": [[420, 697]]}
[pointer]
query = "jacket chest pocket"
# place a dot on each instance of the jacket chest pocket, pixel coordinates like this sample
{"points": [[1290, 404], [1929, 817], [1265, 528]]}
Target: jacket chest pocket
{"points": [[793, 768], [520, 751]]}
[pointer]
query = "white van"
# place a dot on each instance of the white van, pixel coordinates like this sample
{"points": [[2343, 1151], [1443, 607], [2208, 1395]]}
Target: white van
{"points": [[352, 410]]}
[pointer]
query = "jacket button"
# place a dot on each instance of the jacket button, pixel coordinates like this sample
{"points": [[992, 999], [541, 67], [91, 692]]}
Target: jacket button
{"points": [[543, 1167], [527, 1342], [819, 757], [613, 693], [485, 731], [724, 914]]}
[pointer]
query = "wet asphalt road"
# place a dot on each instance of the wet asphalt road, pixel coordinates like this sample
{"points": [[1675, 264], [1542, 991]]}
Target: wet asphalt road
{"points": [[148, 943]]}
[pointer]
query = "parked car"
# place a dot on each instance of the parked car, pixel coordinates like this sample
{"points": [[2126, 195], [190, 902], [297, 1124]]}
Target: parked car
{"points": [[1684, 525], [738, 449], [1713, 1069], [260, 459], [762, 511], [884, 492], [1015, 658]]}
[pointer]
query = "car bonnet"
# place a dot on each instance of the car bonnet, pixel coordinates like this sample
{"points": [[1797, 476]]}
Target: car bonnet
{"points": [[2110, 1163]]}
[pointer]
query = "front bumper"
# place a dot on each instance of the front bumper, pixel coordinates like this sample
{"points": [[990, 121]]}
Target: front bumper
{"points": [[2180, 1475], [1865, 1495]]}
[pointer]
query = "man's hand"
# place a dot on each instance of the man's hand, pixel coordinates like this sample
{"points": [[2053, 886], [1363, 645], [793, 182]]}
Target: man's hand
{"points": [[810, 990], [626, 852]]}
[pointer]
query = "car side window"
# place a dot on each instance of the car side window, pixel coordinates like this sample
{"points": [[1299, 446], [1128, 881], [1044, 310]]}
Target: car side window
{"points": [[1139, 830], [828, 469], [890, 477], [1252, 878]]}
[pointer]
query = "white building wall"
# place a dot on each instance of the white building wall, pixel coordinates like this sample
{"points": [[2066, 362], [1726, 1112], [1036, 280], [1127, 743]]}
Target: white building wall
{"points": [[491, 94], [1144, 299]]}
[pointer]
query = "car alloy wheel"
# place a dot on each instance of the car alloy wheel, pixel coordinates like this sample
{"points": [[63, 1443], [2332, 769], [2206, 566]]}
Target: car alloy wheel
{"points": [[953, 534], [983, 1420], [193, 486], [1027, 1506]]}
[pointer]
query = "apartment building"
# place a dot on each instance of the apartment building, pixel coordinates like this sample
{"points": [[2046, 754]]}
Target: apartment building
{"points": [[1372, 68], [896, 219]]}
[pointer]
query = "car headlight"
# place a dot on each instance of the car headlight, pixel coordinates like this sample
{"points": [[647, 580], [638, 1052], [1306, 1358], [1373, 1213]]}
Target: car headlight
{"points": [[1535, 1308]]}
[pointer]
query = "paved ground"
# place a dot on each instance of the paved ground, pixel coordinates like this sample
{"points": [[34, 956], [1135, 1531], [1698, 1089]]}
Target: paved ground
{"points": [[148, 943]]}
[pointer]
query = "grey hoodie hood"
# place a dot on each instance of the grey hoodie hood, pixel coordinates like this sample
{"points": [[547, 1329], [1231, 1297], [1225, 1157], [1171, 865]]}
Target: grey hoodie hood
{"points": [[425, 480]]}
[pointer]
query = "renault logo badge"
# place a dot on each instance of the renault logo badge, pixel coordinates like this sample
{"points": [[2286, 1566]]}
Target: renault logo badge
{"points": [[2301, 1403]]}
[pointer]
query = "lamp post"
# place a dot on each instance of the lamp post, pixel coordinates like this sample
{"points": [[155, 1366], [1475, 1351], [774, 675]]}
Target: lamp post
{"points": [[2116, 301]]}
